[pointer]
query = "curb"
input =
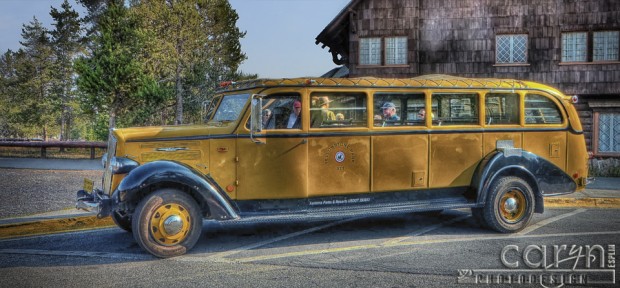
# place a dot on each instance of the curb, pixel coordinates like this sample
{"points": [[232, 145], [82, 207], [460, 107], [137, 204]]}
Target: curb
{"points": [[582, 202], [80, 223], [52, 226]]}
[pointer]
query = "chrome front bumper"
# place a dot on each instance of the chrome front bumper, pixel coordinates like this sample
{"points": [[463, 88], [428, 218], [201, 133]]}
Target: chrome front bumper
{"points": [[96, 201]]}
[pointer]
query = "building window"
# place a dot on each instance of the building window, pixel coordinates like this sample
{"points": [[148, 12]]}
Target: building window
{"points": [[574, 47], [511, 49], [370, 51], [386, 51], [605, 46], [395, 50], [608, 133]]}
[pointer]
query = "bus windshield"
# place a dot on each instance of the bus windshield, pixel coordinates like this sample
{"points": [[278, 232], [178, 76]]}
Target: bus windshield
{"points": [[230, 108]]}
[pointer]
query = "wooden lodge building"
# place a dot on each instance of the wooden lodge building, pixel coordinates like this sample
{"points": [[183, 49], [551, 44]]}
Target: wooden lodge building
{"points": [[572, 45]]}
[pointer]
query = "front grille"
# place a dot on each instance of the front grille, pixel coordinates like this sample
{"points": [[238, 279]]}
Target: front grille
{"points": [[107, 175]]}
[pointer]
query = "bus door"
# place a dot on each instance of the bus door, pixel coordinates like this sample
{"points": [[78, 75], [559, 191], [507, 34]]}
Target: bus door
{"points": [[338, 144], [276, 168]]}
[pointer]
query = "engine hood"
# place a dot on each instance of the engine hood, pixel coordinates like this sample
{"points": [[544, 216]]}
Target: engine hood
{"points": [[160, 133]]}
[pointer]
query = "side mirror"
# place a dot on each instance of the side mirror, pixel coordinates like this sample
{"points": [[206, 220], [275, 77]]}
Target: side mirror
{"points": [[256, 119]]}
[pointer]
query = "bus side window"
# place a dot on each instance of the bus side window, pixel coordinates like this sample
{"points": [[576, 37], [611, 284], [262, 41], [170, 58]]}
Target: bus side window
{"points": [[277, 111], [335, 110], [541, 110], [457, 109], [501, 108], [405, 111]]}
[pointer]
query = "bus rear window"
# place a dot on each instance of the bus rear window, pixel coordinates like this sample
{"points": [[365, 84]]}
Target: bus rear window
{"points": [[541, 110]]}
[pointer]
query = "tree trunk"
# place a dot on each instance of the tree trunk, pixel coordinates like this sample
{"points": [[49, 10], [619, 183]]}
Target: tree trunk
{"points": [[112, 120], [179, 84]]}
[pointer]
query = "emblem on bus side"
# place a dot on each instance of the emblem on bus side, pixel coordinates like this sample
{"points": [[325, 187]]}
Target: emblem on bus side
{"points": [[339, 156]]}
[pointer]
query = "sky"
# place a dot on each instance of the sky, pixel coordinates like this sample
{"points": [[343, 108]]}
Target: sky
{"points": [[279, 42]]}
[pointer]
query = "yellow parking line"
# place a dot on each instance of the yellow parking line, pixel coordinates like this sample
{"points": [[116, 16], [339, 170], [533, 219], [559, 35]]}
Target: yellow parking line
{"points": [[51, 226], [425, 230], [412, 243], [558, 202], [548, 221]]}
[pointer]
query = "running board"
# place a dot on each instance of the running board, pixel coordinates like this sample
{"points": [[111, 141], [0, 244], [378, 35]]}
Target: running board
{"points": [[327, 213]]}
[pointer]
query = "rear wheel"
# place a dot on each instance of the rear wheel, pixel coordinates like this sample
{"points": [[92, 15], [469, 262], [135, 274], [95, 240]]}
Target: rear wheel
{"points": [[123, 221], [167, 223], [509, 205]]}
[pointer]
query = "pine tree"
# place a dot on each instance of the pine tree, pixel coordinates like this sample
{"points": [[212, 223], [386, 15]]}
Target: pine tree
{"points": [[112, 77], [194, 44], [37, 109], [66, 40]]}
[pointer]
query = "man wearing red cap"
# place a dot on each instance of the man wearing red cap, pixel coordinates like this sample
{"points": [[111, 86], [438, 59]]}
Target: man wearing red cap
{"points": [[294, 120]]}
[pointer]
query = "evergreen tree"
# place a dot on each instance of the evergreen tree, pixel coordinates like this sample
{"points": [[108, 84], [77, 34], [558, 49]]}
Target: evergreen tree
{"points": [[66, 40], [37, 109], [194, 44], [112, 78]]}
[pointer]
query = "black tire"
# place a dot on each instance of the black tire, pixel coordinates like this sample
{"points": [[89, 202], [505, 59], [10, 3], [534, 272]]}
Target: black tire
{"points": [[122, 221], [509, 205], [167, 207]]}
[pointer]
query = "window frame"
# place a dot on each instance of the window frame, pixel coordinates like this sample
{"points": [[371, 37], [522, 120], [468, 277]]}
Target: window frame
{"points": [[333, 95], [439, 121], [383, 52], [563, 48], [517, 108], [511, 52], [370, 51], [605, 47], [401, 101], [396, 49], [557, 104], [596, 131]]}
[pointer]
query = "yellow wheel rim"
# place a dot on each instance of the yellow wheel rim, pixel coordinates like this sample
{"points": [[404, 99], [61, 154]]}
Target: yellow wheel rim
{"points": [[512, 206], [170, 224]]}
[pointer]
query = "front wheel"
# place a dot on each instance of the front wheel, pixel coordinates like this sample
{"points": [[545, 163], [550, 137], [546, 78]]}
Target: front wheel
{"points": [[509, 205], [167, 223], [123, 221]]}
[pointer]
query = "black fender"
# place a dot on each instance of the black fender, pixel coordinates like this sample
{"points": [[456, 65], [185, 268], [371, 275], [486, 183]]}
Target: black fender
{"points": [[174, 174], [544, 177]]}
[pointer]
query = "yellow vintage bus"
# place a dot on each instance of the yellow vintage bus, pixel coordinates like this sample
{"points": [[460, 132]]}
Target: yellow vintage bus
{"points": [[322, 147]]}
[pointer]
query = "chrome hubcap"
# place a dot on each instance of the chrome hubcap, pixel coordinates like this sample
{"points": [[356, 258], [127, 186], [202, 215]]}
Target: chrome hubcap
{"points": [[510, 205], [173, 225]]}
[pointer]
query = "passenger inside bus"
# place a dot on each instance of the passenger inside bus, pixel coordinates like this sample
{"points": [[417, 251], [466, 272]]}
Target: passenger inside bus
{"points": [[322, 115], [294, 119], [268, 122]]}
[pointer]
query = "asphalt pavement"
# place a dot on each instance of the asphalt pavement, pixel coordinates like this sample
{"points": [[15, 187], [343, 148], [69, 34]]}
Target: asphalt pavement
{"points": [[603, 192]]}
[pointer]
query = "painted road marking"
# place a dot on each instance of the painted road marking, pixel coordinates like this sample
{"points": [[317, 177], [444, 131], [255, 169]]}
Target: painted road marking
{"points": [[299, 253], [424, 230], [548, 221], [47, 235], [77, 254], [277, 239], [412, 243]]}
